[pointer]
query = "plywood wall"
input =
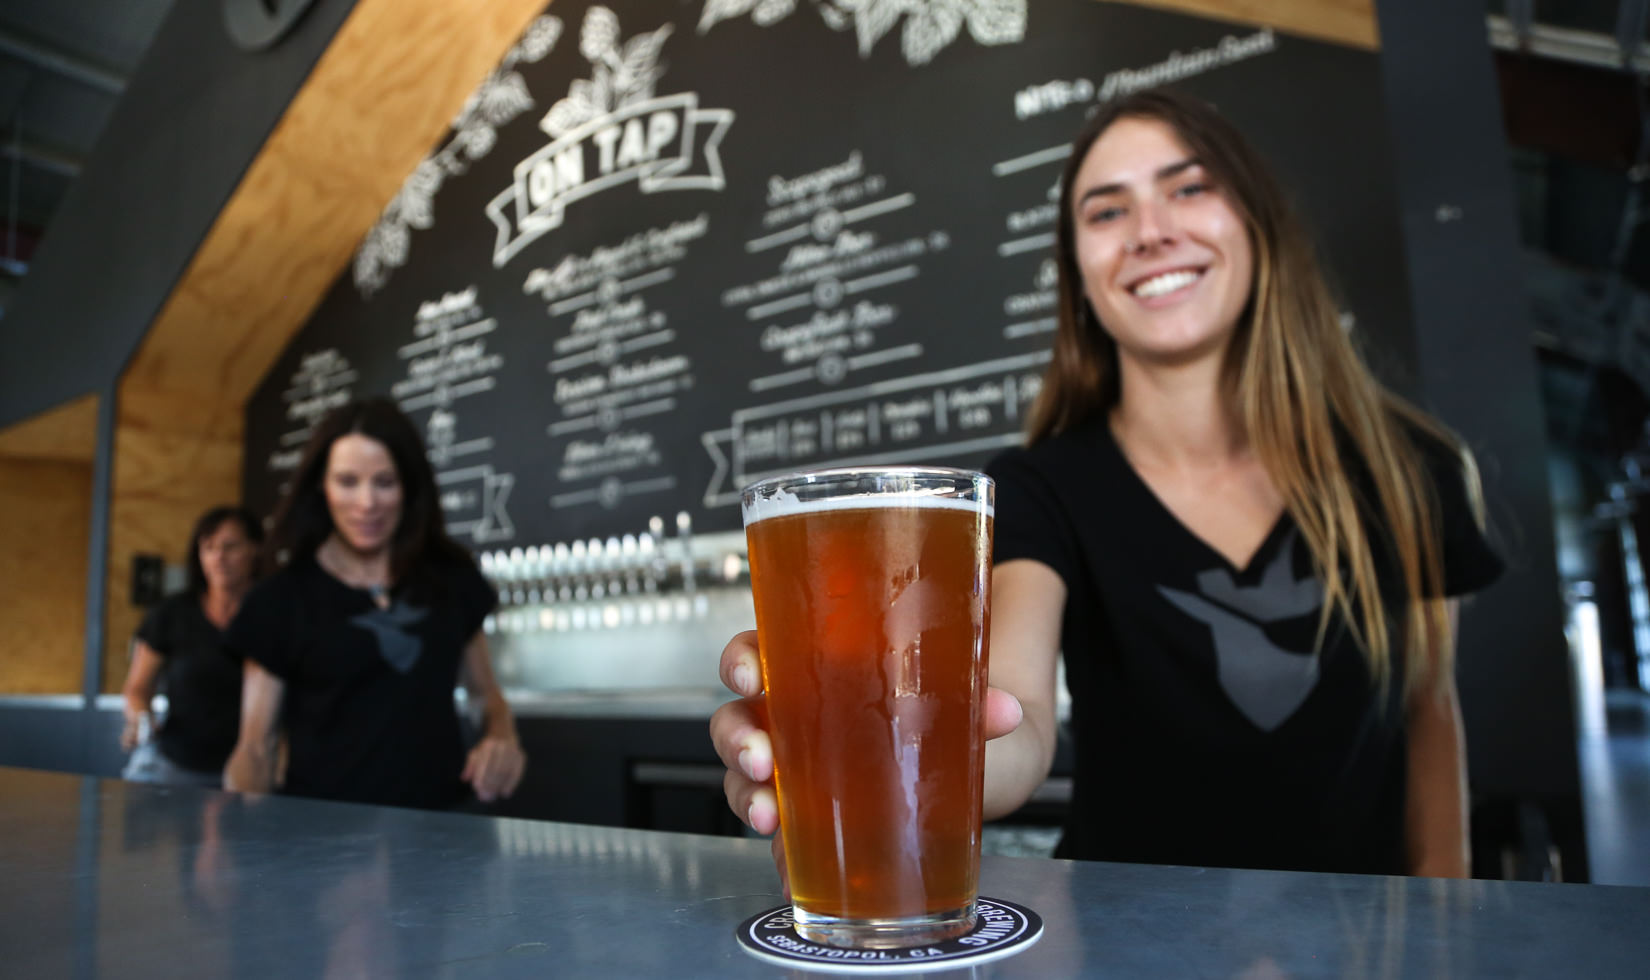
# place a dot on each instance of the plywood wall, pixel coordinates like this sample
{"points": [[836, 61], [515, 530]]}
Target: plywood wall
{"points": [[1349, 22], [174, 458], [45, 516]]}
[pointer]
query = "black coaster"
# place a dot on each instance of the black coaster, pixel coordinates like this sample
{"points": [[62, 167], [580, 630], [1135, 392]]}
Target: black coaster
{"points": [[1003, 930]]}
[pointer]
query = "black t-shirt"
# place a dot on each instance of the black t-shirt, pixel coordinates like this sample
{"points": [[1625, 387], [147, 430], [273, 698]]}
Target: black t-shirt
{"points": [[368, 706], [1208, 729], [202, 682]]}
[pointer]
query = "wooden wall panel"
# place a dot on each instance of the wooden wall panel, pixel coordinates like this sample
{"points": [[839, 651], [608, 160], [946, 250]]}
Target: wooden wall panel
{"points": [[174, 459], [45, 515], [67, 433], [45, 523], [1345, 21]]}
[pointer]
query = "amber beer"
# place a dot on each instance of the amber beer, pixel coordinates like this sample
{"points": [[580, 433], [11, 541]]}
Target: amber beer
{"points": [[871, 591]]}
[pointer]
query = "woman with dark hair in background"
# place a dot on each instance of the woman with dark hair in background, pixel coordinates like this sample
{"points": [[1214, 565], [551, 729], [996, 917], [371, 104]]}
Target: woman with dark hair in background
{"points": [[355, 641], [1243, 546], [180, 647]]}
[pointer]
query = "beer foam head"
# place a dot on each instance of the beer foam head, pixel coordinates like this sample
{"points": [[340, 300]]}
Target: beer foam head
{"points": [[779, 502]]}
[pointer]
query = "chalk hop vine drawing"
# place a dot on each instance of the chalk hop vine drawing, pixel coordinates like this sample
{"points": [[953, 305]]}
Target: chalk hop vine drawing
{"points": [[929, 26], [624, 72], [621, 73], [501, 98]]}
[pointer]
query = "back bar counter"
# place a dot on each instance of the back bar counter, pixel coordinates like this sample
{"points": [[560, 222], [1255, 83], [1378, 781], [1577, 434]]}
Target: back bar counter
{"points": [[103, 878]]}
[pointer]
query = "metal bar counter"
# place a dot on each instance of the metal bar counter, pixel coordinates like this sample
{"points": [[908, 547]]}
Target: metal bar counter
{"points": [[101, 878]]}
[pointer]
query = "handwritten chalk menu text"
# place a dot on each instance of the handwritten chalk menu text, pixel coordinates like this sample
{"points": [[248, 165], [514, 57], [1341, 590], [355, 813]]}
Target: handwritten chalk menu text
{"points": [[322, 381], [617, 364], [448, 363], [668, 249]]}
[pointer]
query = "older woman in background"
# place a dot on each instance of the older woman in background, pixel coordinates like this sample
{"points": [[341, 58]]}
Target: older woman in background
{"points": [[179, 647]]}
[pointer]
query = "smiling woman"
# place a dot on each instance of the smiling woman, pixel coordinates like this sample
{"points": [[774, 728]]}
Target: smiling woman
{"points": [[1165, 259], [1241, 544], [1263, 589], [355, 643]]}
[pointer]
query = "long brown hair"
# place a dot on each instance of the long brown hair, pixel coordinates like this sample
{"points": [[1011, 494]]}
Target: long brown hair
{"points": [[303, 520], [1308, 406]]}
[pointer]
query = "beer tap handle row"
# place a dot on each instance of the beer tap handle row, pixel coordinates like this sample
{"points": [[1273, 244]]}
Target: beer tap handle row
{"points": [[569, 571], [634, 567]]}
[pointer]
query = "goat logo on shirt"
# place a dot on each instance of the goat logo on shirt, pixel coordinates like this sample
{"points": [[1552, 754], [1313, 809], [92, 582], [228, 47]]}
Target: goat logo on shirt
{"points": [[393, 629], [1266, 682]]}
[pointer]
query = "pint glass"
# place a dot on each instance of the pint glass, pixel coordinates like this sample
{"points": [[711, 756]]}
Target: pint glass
{"points": [[872, 589]]}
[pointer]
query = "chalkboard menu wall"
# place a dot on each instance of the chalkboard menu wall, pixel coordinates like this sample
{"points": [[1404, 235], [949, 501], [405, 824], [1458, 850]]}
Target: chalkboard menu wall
{"points": [[671, 247]]}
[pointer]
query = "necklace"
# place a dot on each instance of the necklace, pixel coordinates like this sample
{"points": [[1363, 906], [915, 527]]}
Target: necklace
{"points": [[330, 562]]}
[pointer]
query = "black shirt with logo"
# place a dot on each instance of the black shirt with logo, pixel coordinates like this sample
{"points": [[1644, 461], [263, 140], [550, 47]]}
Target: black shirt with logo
{"points": [[1209, 726], [368, 703], [201, 680]]}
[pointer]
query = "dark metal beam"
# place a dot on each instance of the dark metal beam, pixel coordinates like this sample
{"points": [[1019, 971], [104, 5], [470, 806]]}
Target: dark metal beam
{"points": [[1567, 44], [60, 62], [97, 557], [51, 158], [1478, 373]]}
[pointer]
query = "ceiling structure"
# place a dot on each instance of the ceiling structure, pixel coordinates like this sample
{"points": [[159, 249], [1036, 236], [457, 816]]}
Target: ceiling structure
{"points": [[63, 66]]}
